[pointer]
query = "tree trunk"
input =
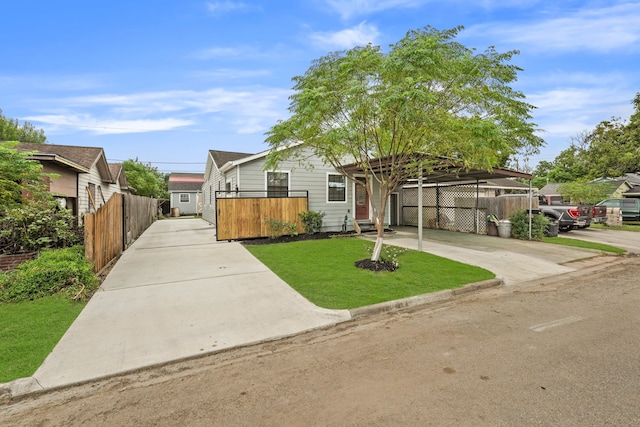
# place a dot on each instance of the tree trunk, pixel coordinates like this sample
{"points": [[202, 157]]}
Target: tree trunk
{"points": [[377, 249]]}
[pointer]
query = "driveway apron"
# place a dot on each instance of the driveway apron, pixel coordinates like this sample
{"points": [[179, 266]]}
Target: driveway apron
{"points": [[177, 293], [514, 261]]}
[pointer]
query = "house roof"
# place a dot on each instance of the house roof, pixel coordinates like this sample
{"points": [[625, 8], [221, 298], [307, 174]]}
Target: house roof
{"points": [[506, 183], [85, 157], [185, 181], [551, 188], [222, 157], [632, 192], [448, 171], [118, 175]]}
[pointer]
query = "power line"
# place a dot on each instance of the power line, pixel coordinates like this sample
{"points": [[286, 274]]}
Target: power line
{"points": [[162, 163]]}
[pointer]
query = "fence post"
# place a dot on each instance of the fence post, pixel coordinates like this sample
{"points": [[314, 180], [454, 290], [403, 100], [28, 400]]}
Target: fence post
{"points": [[89, 232]]}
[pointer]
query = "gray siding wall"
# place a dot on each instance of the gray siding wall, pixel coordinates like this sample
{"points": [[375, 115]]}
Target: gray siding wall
{"points": [[214, 181], [315, 181], [186, 208]]}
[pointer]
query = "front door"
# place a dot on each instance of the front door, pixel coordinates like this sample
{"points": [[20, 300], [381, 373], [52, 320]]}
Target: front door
{"points": [[362, 201]]}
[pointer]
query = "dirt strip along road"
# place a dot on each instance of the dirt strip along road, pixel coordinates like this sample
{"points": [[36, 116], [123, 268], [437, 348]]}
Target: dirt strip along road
{"points": [[562, 353]]}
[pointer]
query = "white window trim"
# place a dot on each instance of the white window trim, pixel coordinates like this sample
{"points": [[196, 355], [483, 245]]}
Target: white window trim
{"points": [[180, 197], [326, 188]]}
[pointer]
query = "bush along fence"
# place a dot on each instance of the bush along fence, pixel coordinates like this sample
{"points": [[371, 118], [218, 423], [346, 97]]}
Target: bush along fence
{"points": [[115, 226]]}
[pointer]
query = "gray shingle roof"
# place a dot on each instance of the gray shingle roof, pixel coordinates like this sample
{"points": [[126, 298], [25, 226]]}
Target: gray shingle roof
{"points": [[86, 157], [222, 157]]}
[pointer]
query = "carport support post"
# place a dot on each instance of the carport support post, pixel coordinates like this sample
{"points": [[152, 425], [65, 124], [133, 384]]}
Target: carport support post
{"points": [[420, 211], [530, 208]]}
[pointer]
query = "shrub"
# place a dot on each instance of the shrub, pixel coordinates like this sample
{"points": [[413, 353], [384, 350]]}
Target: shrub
{"points": [[279, 228], [54, 271], [520, 226], [37, 225], [312, 221], [388, 254]]}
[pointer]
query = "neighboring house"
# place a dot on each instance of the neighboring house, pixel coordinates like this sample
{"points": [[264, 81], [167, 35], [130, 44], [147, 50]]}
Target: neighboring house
{"points": [[550, 189], [632, 192], [185, 193], [501, 186], [85, 179], [244, 175]]}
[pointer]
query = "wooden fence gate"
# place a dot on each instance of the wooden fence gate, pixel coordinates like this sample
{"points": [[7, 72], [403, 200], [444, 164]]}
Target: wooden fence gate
{"points": [[248, 217]]}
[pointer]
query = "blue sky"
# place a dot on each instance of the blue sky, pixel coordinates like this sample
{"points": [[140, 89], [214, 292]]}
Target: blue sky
{"points": [[165, 81]]}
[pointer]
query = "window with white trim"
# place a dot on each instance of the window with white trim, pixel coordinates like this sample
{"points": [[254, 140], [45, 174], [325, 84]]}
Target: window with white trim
{"points": [[184, 198], [336, 188]]}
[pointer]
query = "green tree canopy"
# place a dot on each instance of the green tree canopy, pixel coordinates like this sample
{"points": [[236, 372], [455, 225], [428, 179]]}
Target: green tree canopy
{"points": [[19, 176], [12, 130], [610, 150], [428, 100], [145, 179]]}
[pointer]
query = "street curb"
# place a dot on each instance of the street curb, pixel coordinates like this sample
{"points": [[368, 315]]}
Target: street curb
{"points": [[400, 304], [29, 387]]}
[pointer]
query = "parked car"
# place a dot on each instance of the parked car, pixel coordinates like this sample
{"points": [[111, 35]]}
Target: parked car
{"points": [[630, 207], [568, 216], [598, 214]]}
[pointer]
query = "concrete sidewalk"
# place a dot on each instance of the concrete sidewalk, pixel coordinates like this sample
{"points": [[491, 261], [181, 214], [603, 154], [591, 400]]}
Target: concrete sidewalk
{"points": [[176, 293]]}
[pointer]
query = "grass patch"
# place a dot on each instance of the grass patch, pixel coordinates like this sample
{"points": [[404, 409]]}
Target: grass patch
{"points": [[29, 330], [634, 226], [565, 241], [323, 271]]}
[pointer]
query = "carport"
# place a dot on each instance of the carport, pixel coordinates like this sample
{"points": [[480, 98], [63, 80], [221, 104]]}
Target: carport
{"points": [[446, 174], [456, 175]]}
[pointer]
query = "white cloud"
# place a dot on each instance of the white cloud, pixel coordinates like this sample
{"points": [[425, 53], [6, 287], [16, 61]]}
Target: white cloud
{"points": [[222, 7], [243, 52], [595, 29], [346, 9], [360, 35], [109, 125], [219, 52], [230, 74], [250, 110]]}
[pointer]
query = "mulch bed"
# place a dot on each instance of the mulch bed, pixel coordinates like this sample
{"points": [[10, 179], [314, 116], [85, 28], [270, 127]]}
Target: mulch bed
{"points": [[298, 238]]}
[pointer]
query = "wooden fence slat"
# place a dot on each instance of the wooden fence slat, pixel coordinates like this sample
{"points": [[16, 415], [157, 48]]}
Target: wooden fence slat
{"points": [[104, 230], [247, 217]]}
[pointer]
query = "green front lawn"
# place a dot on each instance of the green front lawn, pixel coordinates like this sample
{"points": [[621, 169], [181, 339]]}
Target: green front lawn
{"points": [[323, 271], [633, 226], [565, 241], [29, 330]]}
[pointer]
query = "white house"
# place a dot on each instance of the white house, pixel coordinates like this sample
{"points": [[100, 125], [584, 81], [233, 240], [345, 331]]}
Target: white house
{"points": [[231, 174]]}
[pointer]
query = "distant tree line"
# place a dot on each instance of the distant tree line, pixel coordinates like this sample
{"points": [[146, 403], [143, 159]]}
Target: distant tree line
{"points": [[610, 150]]}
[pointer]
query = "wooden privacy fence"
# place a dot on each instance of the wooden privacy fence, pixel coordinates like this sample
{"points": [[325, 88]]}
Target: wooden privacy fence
{"points": [[103, 233], [504, 206], [248, 217], [113, 227], [139, 214]]}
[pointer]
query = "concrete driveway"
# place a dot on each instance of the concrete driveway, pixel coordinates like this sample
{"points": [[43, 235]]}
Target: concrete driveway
{"points": [[628, 240], [177, 293], [514, 261]]}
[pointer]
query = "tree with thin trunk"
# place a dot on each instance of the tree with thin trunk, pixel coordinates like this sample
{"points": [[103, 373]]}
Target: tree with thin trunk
{"points": [[389, 116]]}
